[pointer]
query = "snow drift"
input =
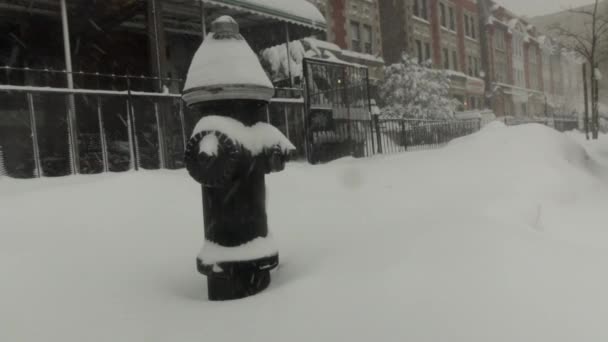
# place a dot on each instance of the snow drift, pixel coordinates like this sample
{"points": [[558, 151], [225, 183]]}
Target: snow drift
{"points": [[500, 236]]}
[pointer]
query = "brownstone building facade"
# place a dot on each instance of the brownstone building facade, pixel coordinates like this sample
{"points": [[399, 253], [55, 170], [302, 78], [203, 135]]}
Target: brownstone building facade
{"points": [[354, 26], [529, 73], [444, 32]]}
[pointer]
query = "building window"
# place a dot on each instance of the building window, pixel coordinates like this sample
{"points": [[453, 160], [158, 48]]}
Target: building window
{"points": [[427, 49], [470, 66], [355, 34], [452, 21], [476, 65], [455, 61], [466, 25], [420, 9], [446, 59], [419, 51], [499, 40], [442, 13], [367, 39], [473, 35]]}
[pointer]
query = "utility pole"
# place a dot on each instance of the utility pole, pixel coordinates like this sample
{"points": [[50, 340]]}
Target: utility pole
{"points": [[596, 99], [586, 101]]}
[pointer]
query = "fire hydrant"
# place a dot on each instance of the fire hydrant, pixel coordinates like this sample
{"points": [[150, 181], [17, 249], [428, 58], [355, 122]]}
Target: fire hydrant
{"points": [[229, 153]]}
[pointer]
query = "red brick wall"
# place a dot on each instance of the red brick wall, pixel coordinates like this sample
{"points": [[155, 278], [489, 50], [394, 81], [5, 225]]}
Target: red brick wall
{"points": [[338, 13], [491, 66], [460, 30], [435, 32]]}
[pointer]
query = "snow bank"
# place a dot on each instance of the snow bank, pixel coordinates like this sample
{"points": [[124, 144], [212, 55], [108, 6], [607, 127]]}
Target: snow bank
{"points": [[501, 236], [255, 138]]}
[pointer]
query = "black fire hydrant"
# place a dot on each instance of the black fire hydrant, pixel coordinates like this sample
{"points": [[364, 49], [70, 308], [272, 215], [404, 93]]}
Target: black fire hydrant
{"points": [[229, 153]]}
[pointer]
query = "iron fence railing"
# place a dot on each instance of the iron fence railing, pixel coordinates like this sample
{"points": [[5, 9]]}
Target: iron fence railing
{"points": [[45, 77], [399, 135], [365, 138], [559, 123], [116, 130]]}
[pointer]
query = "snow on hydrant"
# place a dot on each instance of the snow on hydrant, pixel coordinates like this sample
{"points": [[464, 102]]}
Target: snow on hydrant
{"points": [[229, 153]]}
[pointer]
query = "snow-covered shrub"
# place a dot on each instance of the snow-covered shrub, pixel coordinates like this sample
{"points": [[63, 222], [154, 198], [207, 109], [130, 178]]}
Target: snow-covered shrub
{"points": [[415, 90], [275, 61]]}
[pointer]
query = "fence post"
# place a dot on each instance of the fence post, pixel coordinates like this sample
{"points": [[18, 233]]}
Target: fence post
{"points": [[376, 121], [161, 138], [102, 137], [403, 134], [182, 122], [34, 129], [133, 149]]}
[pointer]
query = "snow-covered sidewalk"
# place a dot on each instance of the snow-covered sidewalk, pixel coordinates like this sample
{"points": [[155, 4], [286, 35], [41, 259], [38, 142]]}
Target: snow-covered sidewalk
{"points": [[500, 236]]}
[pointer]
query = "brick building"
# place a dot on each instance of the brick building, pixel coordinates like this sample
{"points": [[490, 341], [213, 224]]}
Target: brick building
{"points": [[354, 26], [446, 32], [529, 74]]}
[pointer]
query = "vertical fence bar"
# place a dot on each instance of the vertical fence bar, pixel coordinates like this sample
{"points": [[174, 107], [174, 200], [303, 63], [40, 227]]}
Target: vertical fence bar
{"points": [[203, 19], [308, 134], [34, 130], [161, 138], [133, 148], [376, 125], [287, 39], [102, 137], [182, 123], [286, 121], [132, 138]]}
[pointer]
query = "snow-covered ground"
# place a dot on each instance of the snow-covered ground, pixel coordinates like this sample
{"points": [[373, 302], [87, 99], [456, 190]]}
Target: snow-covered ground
{"points": [[500, 236]]}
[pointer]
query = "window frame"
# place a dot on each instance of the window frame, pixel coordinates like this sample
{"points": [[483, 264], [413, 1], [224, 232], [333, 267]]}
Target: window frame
{"points": [[452, 18], [368, 49], [443, 15], [355, 43]]}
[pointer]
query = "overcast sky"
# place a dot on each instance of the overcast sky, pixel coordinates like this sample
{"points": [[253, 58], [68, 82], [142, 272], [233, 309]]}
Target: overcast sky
{"points": [[531, 8]]}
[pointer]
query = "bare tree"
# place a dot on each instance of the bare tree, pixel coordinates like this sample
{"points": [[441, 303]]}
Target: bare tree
{"points": [[588, 41]]}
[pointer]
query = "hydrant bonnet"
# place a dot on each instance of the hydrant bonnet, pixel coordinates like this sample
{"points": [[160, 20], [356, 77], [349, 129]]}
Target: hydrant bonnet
{"points": [[226, 68]]}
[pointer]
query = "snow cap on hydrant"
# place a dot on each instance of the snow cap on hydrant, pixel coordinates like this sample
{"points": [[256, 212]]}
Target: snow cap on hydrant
{"points": [[226, 68]]}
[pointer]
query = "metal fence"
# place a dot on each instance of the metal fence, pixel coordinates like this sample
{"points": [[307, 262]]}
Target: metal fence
{"points": [[559, 123], [365, 138], [116, 131], [400, 135], [338, 106], [47, 77]]}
